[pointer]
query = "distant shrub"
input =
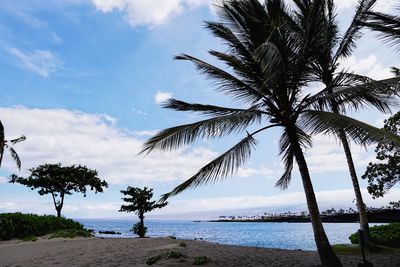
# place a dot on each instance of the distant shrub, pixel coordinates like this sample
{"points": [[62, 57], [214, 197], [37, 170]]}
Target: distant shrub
{"points": [[169, 255], [200, 260], [175, 254], [18, 225], [182, 244], [30, 238], [384, 235], [152, 260], [139, 229], [71, 233]]}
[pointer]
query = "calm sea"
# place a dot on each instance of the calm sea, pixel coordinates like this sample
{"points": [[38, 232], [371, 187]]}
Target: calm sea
{"points": [[270, 235]]}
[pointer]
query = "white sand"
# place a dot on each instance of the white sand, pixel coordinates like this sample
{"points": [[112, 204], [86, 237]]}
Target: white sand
{"points": [[135, 252]]}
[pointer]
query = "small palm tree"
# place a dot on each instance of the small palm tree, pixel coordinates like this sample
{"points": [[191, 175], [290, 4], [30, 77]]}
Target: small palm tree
{"points": [[270, 65], [328, 52], [6, 144]]}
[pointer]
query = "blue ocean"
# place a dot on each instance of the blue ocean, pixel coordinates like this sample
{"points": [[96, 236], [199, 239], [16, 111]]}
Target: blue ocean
{"points": [[270, 235]]}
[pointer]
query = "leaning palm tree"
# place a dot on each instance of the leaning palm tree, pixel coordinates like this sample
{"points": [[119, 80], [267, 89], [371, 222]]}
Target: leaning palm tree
{"points": [[329, 51], [269, 68], [5, 144]]}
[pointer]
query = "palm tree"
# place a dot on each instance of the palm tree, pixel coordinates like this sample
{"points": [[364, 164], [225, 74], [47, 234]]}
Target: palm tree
{"points": [[328, 52], [5, 144], [269, 68]]}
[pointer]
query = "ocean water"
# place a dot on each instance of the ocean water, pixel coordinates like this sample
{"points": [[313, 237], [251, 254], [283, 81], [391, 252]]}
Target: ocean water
{"points": [[270, 235]]}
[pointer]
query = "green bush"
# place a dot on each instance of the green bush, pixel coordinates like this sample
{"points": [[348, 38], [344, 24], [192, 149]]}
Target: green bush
{"points": [[30, 238], [18, 225], [174, 254], [384, 235], [71, 233], [200, 260], [152, 260], [139, 229]]}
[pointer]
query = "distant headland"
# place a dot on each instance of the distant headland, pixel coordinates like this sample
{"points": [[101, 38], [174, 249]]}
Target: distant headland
{"points": [[375, 215]]}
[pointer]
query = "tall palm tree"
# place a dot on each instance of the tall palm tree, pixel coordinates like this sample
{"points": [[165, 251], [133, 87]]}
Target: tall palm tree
{"points": [[6, 144], [329, 51], [268, 69]]}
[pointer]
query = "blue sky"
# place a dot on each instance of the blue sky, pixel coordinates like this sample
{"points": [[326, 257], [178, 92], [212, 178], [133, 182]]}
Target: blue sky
{"points": [[83, 81]]}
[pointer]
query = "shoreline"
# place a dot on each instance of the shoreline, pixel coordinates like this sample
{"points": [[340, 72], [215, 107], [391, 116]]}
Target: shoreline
{"points": [[97, 251]]}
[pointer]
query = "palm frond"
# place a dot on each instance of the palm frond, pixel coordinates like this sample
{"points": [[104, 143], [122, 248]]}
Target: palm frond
{"points": [[179, 105], [17, 140], [175, 137], [352, 34], [222, 167], [16, 158], [227, 83], [355, 91], [387, 25], [317, 122]]}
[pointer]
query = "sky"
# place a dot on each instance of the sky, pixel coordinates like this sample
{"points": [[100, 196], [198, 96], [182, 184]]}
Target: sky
{"points": [[83, 81]]}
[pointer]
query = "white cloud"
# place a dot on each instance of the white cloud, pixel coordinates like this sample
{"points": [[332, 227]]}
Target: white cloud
{"points": [[139, 112], [240, 205], [145, 133], [56, 38], [253, 172], [162, 96], [287, 201], [381, 6], [148, 12], [3, 180], [72, 137], [41, 62], [327, 156], [369, 66]]}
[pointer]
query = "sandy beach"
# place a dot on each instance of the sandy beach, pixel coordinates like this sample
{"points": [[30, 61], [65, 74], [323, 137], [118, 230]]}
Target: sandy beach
{"points": [[135, 252]]}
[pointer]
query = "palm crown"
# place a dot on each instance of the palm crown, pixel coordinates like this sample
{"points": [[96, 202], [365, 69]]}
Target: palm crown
{"points": [[270, 66], [6, 144], [271, 58]]}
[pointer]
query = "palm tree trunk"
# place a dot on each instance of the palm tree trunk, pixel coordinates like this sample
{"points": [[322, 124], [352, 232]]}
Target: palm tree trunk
{"points": [[359, 200], [325, 251]]}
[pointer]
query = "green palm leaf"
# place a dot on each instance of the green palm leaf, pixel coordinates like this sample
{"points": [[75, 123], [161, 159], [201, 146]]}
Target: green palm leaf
{"points": [[16, 158], [354, 93], [220, 168], [175, 137], [347, 43], [387, 25], [179, 105], [318, 122]]}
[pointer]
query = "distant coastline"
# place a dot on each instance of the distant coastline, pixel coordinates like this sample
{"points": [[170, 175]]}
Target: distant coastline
{"points": [[374, 216]]}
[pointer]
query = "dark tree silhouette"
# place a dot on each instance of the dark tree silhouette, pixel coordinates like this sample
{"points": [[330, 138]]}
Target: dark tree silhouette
{"points": [[328, 53], [59, 181], [386, 173], [269, 65], [6, 144], [139, 201]]}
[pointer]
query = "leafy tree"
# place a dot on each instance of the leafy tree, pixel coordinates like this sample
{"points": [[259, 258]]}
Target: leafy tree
{"points": [[6, 144], [386, 173], [270, 65], [395, 71], [139, 201], [60, 181], [332, 49]]}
